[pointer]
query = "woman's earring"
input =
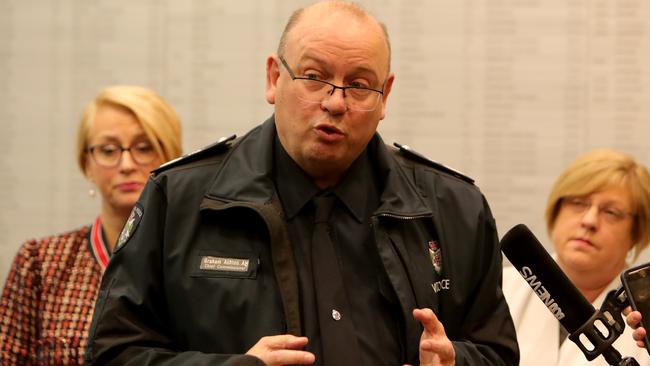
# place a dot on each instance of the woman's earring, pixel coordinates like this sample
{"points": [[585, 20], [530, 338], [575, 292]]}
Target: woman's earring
{"points": [[91, 192]]}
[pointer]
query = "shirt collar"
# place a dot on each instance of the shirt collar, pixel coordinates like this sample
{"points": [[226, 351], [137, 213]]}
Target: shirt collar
{"points": [[358, 187], [296, 188]]}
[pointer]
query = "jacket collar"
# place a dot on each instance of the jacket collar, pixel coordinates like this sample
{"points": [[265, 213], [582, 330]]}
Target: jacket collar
{"points": [[247, 174], [400, 196]]}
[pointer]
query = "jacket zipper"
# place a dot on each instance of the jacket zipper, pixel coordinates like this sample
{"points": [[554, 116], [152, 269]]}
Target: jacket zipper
{"points": [[402, 217]]}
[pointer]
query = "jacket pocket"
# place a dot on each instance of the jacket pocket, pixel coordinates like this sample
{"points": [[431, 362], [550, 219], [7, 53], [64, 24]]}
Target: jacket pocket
{"points": [[225, 264]]}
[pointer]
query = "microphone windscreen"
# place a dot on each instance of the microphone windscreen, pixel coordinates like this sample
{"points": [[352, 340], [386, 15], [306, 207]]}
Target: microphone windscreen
{"points": [[546, 278]]}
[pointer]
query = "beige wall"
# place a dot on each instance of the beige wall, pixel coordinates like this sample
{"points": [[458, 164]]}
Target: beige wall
{"points": [[508, 93]]}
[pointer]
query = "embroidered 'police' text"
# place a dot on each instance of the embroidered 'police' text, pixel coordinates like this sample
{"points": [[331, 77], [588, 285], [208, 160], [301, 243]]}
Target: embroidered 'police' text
{"points": [[441, 285]]}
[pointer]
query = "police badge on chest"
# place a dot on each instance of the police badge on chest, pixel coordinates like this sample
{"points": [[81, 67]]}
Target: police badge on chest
{"points": [[435, 252]]}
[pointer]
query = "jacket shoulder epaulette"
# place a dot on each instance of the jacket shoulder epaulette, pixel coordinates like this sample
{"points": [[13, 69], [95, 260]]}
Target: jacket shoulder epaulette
{"points": [[414, 155], [217, 147]]}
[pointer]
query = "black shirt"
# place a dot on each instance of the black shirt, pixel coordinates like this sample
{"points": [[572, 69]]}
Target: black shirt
{"points": [[375, 310]]}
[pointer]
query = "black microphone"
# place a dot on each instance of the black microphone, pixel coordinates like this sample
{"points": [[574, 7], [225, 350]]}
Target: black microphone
{"points": [[546, 278], [562, 298]]}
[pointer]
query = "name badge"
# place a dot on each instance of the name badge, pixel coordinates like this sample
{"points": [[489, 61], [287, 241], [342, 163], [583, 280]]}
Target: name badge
{"points": [[210, 263]]}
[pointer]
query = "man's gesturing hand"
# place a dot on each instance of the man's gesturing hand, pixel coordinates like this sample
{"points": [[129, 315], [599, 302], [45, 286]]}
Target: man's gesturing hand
{"points": [[435, 348], [281, 350]]}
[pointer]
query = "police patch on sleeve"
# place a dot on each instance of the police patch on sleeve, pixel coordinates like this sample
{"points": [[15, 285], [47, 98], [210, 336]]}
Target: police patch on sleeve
{"points": [[130, 226]]}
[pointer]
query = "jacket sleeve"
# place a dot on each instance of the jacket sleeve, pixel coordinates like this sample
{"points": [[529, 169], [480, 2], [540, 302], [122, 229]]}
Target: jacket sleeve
{"points": [[19, 307], [129, 324], [488, 335]]}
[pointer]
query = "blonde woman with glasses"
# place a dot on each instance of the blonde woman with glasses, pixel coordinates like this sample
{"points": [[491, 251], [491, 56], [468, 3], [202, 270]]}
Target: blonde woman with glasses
{"points": [[597, 217], [49, 296]]}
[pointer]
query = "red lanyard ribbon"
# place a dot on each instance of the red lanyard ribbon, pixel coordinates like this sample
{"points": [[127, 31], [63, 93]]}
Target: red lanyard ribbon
{"points": [[97, 244]]}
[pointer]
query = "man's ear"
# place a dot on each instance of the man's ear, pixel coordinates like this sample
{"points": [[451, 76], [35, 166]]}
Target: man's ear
{"points": [[384, 98], [272, 75]]}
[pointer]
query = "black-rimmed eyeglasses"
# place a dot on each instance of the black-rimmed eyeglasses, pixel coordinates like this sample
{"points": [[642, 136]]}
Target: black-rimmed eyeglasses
{"points": [[313, 90], [110, 155]]}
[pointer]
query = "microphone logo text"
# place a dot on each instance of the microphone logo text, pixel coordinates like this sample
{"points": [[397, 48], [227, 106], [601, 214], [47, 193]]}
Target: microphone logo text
{"points": [[541, 292]]}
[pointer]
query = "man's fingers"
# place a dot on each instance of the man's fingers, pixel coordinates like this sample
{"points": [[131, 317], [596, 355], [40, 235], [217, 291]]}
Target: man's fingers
{"points": [[284, 349], [291, 357], [438, 347], [296, 342], [284, 341], [429, 320], [435, 347]]}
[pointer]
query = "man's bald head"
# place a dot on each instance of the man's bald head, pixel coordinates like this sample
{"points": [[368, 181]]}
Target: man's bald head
{"points": [[331, 6]]}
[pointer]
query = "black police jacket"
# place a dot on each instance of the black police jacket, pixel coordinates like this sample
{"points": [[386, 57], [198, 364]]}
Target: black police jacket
{"points": [[204, 267]]}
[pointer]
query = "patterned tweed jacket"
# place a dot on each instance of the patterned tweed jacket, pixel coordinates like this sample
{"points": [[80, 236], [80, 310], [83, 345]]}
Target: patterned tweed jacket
{"points": [[48, 299]]}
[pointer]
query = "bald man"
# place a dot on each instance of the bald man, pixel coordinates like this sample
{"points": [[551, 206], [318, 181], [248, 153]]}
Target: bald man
{"points": [[308, 240]]}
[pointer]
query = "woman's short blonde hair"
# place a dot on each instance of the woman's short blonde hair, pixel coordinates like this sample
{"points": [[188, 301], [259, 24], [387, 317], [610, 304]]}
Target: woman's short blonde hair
{"points": [[598, 170], [157, 118]]}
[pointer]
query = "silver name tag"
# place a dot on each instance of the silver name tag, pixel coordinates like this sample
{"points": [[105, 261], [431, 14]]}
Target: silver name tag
{"points": [[210, 263]]}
